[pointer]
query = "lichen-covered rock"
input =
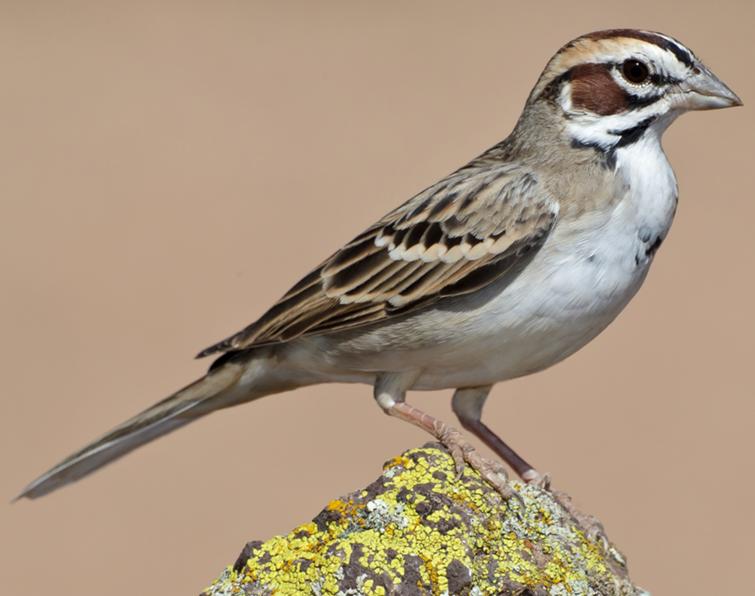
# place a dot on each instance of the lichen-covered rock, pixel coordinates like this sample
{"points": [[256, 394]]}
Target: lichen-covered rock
{"points": [[419, 529]]}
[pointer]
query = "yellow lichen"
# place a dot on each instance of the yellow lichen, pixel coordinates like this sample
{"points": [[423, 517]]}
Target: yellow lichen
{"points": [[414, 525]]}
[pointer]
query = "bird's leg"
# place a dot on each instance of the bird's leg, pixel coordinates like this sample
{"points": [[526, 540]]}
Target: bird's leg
{"points": [[390, 391], [467, 405]]}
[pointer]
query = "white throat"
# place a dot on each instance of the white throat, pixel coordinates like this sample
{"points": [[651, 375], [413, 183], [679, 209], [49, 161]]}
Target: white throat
{"points": [[651, 184]]}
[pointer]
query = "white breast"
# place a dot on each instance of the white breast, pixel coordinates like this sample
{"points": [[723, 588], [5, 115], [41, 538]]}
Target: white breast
{"points": [[652, 192], [612, 253]]}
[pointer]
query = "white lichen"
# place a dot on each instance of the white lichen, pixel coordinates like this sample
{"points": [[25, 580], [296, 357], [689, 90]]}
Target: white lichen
{"points": [[380, 515]]}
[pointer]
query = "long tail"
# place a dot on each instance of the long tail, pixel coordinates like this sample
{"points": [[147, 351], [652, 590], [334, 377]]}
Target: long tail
{"points": [[205, 395]]}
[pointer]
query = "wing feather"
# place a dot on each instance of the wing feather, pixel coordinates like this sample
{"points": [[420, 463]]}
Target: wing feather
{"points": [[455, 237]]}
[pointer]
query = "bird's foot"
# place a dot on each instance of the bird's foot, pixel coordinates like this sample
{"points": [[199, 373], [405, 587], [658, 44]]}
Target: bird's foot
{"points": [[463, 453], [590, 525], [536, 479]]}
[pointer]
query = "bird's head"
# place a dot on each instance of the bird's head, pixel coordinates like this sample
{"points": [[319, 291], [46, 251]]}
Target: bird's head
{"points": [[612, 83]]}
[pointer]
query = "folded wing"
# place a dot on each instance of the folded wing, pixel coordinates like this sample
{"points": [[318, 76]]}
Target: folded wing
{"points": [[453, 238]]}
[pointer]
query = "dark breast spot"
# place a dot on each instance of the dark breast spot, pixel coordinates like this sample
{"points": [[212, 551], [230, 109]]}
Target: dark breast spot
{"points": [[650, 246], [653, 247]]}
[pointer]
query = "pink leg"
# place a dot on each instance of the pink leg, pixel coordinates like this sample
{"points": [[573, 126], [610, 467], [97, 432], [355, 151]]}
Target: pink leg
{"points": [[461, 450]]}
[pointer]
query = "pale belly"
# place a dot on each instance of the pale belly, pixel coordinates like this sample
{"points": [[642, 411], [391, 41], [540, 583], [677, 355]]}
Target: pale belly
{"points": [[543, 317]]}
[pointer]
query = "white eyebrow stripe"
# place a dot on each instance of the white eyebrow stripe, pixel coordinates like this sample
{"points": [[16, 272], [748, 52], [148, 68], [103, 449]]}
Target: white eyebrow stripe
{"points": [[681, 48]]}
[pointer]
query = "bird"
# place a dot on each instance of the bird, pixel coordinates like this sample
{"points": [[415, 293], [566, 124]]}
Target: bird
{"points": [[501, 269]]}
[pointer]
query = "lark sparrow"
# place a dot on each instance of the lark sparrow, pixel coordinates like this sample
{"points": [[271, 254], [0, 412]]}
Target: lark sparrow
{"points": [[501, 269]]}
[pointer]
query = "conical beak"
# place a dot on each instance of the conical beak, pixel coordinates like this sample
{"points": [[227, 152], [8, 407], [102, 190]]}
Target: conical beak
{"points": [[705, 91]]}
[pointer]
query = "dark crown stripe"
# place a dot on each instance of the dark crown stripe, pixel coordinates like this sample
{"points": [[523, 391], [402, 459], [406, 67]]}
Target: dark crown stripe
{"points": [[678, 50]]}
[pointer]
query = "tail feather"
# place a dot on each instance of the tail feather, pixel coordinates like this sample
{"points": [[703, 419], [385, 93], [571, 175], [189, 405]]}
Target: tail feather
{"points": [[200, 398]]}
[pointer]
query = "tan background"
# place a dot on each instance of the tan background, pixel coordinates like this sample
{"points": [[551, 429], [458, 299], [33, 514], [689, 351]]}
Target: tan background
{"points": [[168, 170]]}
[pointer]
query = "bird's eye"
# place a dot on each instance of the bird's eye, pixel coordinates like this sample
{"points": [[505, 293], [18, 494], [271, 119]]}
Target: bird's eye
{"points": [[635, 72]]}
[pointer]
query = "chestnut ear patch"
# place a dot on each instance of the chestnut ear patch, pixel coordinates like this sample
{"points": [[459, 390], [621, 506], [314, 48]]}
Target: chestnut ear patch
{"points": [[595, 90]]}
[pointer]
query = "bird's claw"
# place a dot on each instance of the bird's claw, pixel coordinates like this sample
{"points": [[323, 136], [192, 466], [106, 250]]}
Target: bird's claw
{"points": [[464, 453], [590, 525], [595, 532], [538, 480]]}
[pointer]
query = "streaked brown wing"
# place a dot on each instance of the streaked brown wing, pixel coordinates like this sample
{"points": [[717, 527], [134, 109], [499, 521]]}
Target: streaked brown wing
{"points": [[453, 238]]}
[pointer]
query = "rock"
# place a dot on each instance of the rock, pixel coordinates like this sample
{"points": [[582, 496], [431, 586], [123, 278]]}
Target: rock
{"points": [[419, 529]]}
